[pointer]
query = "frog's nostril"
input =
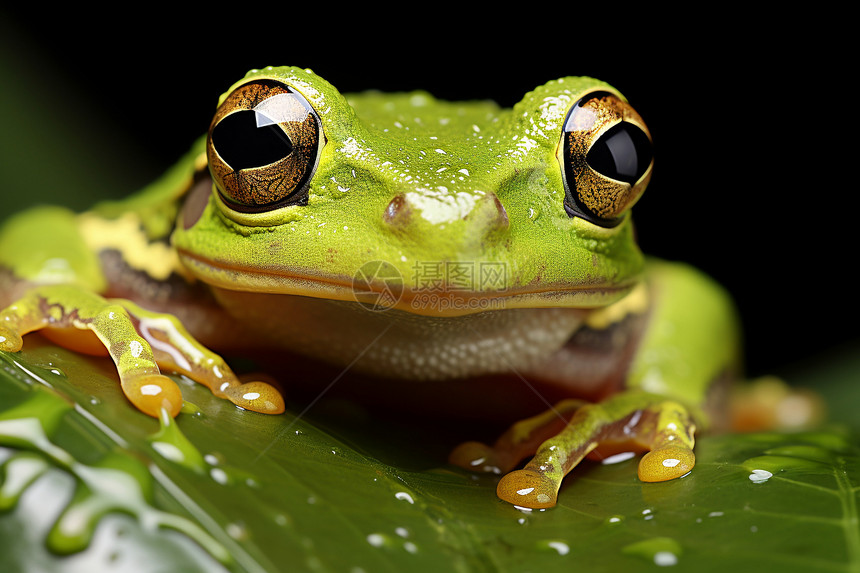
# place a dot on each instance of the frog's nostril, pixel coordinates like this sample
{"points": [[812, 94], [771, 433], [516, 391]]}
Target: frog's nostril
{"points": [[497, 216], [398, 211]]}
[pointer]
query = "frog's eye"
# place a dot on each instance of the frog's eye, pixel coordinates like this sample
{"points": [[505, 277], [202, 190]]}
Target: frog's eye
{"points": [[606, 158], [263, 146]]}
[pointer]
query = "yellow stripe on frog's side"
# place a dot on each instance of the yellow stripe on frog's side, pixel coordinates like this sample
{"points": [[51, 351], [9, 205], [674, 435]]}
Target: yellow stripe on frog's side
{"points": [[634, 303], [125, 234]]}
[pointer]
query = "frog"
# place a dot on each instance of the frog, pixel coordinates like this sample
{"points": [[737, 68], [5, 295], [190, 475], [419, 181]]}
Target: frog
{"points": [[406, 238]]}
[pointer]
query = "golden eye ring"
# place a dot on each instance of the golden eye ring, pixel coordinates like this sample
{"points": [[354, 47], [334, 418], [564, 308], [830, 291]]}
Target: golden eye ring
{"points": [[606, 156], [263, 145]]}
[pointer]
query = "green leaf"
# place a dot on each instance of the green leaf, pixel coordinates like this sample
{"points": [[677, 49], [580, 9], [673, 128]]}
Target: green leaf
{"points": [[87, 482]]}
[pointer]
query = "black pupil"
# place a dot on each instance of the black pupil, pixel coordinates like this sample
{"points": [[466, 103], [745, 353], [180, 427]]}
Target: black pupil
{"points": [[244, 145], [623, 153]]}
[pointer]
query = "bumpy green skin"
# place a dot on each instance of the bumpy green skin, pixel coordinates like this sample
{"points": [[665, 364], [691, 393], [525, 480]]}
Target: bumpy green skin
{"points": [[446, 158]]}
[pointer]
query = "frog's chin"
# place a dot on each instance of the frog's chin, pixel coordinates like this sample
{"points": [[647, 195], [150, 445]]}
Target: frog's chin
{"points": [[390, 293]]}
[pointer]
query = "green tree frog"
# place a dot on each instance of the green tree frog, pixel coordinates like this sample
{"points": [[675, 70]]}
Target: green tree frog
{"points": [[404, 238]]}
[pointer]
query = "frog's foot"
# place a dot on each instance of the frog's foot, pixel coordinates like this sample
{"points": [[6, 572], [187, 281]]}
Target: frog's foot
{"points": [[520, 440], [628, 421], [670, 443], [65, 307], [175, 349], [137, 340], [768, 403]]}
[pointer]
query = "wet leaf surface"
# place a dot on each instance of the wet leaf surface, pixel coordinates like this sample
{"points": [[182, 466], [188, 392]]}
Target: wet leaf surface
{"points": [[95, 484]]}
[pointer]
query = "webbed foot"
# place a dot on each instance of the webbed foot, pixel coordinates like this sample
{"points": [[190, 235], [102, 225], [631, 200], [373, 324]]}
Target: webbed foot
{"points": [[139, 342], [629, 421]]}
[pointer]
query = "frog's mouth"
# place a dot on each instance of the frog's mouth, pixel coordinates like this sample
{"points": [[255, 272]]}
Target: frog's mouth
{"points": [[381, 287]]}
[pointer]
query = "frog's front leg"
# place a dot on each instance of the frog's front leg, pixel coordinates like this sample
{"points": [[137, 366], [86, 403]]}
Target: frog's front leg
{"points": [[628, 421], [673, 344], [138, 341]]}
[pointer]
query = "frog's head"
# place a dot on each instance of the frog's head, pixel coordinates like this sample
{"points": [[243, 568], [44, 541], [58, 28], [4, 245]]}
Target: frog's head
{"points": [[460, 207]]}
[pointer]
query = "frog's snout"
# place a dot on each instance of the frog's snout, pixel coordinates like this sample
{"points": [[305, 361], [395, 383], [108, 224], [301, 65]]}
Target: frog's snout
{"points": [[479, 214]]}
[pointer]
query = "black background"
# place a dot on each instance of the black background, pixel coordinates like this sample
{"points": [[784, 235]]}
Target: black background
{"points": [[754, 178]]}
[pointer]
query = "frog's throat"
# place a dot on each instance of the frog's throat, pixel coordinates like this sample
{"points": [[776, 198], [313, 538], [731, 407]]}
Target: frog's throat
{"points": [[396, 295]]}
